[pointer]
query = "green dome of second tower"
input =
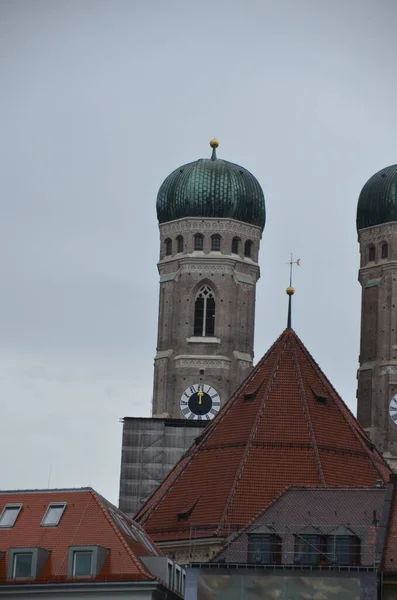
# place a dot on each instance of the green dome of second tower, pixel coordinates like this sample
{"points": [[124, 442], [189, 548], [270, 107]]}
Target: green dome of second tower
{"points": [[211, 187], [377, 203]]}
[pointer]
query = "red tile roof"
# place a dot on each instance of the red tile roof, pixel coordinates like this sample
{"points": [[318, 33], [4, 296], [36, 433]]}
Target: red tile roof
{"points": [[87, 520], [285, 426]]}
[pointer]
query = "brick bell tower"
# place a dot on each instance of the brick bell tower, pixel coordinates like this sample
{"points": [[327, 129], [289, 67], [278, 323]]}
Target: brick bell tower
{"points": [[377, 374], [211, 215]]}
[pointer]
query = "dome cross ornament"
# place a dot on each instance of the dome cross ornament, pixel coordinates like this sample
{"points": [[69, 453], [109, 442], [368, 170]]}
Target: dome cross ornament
{"points": [[290, 290]]}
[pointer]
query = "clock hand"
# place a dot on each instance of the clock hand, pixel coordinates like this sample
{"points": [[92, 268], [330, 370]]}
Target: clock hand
{"points": [[200, 395]]}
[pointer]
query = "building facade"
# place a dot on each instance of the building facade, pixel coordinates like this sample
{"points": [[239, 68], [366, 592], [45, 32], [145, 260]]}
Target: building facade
{"points": [[377, 374]]}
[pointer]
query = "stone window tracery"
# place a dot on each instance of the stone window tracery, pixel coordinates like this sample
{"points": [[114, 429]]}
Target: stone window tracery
{"points": [[204, 312]]}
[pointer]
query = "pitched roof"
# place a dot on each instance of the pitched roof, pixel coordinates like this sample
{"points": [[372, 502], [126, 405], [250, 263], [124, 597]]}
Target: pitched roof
{"points": [[88, 520], [285, 426]]}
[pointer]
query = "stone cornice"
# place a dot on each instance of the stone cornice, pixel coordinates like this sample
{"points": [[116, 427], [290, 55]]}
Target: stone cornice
{"points": [[198, 225]]}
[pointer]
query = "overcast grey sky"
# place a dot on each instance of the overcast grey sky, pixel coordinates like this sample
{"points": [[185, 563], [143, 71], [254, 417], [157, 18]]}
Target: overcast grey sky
{"points": [[99, 101]]}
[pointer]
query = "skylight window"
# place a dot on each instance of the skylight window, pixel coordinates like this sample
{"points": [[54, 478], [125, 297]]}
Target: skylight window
{"points": [[9, 515], [53, 514]]}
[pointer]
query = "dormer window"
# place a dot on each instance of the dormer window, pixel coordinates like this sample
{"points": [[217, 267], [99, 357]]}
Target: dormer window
{"points": [[343, 547], [248, 249], [26, 563], [264, 548], [216, 243], [179, 243], [9, 515], [168, 247], [310, 547], [53, 514], [371, 253], [235, 245], [198, 241], [86, 561], [384, 250]]}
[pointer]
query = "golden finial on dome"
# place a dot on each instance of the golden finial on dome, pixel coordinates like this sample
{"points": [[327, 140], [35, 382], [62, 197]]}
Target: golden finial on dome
{"points": [[290, 290], [214, 143]]}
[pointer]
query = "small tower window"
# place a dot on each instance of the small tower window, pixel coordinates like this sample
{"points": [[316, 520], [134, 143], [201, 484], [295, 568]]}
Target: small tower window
{"points": [[198, 241], [371, 253], [216, 242], [168, 247], [179, 243], [204, 312], [248, 249], [235, 245], [385, 250]]}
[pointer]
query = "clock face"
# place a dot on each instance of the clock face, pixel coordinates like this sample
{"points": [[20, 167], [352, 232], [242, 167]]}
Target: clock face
{"points": [[393, 409], [200, 401]]}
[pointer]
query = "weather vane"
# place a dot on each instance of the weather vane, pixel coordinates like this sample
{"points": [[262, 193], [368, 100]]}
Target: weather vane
{"points": [[290, 290]]}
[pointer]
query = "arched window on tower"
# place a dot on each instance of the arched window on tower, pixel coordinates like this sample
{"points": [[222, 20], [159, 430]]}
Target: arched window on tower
{"points": [[215, 242], [371, 253], [248, 249], [179, 243], [168, 247], [235, 245], [204, 312], [198, 241], [385, 250]]}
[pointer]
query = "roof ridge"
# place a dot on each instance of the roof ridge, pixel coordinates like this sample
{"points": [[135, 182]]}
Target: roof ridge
{"points": [[254, 429], [306, 412], [344, 410], [118, 533]]}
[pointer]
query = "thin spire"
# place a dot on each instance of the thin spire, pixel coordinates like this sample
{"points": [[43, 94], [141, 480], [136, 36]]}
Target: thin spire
{"points": [[214, 145], [290, 290]]}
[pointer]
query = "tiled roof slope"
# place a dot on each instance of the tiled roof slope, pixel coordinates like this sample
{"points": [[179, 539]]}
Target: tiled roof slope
{"points": [[87, 520], [285, 426]]}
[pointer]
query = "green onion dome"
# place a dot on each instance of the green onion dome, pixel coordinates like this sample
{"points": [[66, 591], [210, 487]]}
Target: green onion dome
{"points": [[211, 187], [377, 203]]}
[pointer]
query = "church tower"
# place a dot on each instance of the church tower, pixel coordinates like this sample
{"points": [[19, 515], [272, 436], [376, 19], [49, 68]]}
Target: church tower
{"points": [[211, 214], [377, 374]]}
